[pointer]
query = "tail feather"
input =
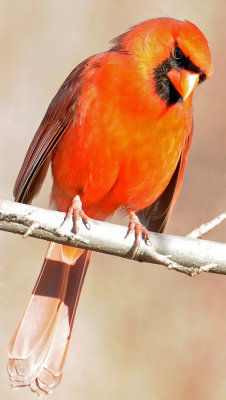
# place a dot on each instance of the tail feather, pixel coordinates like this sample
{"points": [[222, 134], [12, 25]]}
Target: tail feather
{"points": [[39, 345]]}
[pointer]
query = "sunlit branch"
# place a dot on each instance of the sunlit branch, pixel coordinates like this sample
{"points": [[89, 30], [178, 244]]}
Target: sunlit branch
{"points": [[191, 256]]}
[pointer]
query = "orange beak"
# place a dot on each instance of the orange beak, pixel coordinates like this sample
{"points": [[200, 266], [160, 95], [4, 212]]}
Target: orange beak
{"points": [[184, 81]]}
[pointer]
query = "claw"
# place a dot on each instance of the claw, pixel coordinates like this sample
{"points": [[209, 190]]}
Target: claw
{"points": [[76, 210], [139, 230], [31, 229]]}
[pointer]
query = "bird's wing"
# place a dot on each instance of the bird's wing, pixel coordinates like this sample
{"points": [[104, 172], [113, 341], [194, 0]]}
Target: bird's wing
{"points": [[60, 114], [155, 217]]}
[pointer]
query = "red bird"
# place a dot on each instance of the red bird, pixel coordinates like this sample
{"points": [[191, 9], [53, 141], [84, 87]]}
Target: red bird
{"points": [[117, 134]]}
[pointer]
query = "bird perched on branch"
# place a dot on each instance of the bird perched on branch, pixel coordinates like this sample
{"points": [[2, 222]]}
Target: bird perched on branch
{"points": [[117, 135]]}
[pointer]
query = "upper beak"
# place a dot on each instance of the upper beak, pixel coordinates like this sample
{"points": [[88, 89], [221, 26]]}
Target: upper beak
{"points": [[184, 81]]}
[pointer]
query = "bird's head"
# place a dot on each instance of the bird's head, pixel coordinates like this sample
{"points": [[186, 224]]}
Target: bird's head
{"points": [[174, 54]]}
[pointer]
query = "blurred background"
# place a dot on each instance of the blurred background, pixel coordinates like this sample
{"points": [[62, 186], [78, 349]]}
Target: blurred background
{"points": [[141, 331]]}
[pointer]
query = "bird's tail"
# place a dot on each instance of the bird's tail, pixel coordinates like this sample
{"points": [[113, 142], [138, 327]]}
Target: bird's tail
{"points": [[38, 348]]}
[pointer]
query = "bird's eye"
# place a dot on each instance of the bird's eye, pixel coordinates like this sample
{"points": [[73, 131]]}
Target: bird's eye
{"points": [[178, 53]]}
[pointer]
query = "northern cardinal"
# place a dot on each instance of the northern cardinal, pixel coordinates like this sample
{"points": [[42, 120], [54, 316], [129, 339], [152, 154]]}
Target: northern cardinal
{"points": [[117, 134]]}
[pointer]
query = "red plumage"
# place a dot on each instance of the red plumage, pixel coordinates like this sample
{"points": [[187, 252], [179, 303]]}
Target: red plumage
{"points": [[117, 134]]}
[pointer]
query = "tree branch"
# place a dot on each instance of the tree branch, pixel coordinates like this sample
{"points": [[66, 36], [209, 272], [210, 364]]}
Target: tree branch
{"points": [[193, 255], [207, 227]]}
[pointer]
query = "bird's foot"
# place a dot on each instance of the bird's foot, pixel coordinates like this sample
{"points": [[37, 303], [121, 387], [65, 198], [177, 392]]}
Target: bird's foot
{"points": [[140, 231], [136, 226], [63, 230], [77, 212]]}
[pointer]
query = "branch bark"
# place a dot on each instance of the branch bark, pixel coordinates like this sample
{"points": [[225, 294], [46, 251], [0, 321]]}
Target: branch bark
{"points": [[194, 255], [208, 226]]}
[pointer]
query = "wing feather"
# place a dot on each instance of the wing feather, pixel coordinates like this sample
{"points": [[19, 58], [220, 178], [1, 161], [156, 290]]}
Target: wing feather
{"points": [[60, 113], [155, 217]]}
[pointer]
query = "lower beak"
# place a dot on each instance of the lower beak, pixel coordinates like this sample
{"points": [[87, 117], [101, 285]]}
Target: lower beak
{"points": [[184, 81]]}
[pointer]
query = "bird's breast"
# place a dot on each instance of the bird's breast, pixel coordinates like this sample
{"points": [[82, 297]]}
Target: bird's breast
{"points": [[114, 159]]}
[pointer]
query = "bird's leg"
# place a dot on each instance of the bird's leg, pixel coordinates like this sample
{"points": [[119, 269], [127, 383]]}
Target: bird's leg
{"points": [[76, 210], [136, 226]]}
